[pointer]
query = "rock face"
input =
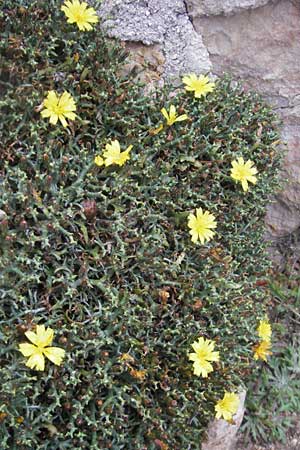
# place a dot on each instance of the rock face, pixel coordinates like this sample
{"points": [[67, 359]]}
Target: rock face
{"points": [[198, 8], [161, 23], [221, 435], [257, 41], [262, 48]]}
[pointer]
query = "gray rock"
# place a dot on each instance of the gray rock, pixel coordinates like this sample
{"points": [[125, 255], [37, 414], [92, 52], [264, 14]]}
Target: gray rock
{"points": [[3, 215], [221, 435], [158, 22], [262, 48], [198, 8]]}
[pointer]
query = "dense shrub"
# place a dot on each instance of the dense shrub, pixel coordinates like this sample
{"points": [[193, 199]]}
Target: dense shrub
{"points": [[104, 256]]}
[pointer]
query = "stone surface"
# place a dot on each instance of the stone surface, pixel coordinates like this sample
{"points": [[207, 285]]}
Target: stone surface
{"points": [[198, 8], [146, 62], [262, 48], [161, 23], [221, 435]]}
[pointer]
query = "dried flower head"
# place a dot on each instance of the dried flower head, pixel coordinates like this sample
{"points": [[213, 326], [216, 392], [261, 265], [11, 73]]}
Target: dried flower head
{"points": [[262, 350]]}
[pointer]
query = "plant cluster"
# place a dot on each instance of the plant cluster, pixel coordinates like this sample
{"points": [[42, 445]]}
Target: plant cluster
{"points": [[273, 400], [102, 244]]}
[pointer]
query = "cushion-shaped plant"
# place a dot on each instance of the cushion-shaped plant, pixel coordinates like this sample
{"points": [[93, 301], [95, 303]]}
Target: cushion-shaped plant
{"points": [[102, 253]]}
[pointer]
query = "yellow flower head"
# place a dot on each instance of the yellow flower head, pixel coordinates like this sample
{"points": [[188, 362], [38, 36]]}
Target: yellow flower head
{"points": [[243, 172], [201, 225], [99, 161], [204, 354], [113, 154], [227, 407], [264, 330], [36, 351], [172, 117], [200, 85], [80, 14], [262, 350], [59, 107]]}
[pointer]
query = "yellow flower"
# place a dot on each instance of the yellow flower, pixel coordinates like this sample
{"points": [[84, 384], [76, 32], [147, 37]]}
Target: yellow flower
{"points": [[172, 117], [228, 406], [243, 172], [80, 14], [261, 351], [59, 107], [201, 225], [41, 340], [99, 161], [201, 86], [113, 154], [204, 354], [264, 330]]}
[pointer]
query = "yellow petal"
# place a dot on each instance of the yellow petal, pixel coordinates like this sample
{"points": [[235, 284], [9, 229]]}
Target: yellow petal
{"points": [[55, 354], [245, 185], [63, 121], [70, 115], [32, 337], [45, 113], [36, 361], [252, 179], [115, 145], [53, 119], [44, 335], [27, 349], [181, 118], [164, 113], [99, 161], [172, 112]]}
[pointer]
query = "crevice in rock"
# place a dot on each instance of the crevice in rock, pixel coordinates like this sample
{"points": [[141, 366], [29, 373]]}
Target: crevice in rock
{"points": [[188, 14]]}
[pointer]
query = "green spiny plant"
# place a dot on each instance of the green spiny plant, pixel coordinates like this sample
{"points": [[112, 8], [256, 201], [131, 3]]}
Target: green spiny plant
{"points": [[104, 256]]}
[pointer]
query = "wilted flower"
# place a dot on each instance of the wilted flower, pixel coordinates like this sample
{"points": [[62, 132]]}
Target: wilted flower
{"points": [[201, 86], [262, 350], [40, 348], [154, 131], [228, 406], [172, 117], [201, 225], [243, 172], [59, 108], [89, 208], [79, 13], [204, 354]]}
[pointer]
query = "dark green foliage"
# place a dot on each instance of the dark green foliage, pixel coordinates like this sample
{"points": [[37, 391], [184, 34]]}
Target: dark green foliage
{"points": [[92, 252], [273, 401]]}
